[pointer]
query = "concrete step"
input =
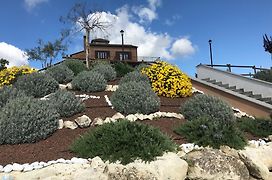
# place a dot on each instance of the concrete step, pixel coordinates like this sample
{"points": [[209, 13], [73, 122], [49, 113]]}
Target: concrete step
{"points": [[247, 93], [211, 81], [240, 91], [231, 87], [267, 100], [256, 96], [206, 79]]}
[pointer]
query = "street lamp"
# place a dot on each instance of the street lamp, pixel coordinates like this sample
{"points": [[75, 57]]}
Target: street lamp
{"points": [[122, 34], [210, 43]]}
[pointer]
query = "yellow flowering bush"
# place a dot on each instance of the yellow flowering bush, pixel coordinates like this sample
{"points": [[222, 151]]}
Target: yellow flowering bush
{"points": [[9, 75], [168, 80]]}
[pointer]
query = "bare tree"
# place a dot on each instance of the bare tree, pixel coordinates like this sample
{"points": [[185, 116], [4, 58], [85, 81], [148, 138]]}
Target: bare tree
{"points": [[86, 20], [45, 52]]}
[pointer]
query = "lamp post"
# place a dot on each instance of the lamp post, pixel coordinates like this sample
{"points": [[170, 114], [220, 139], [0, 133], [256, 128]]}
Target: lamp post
{"points": [[122, 34], [210, 43]]}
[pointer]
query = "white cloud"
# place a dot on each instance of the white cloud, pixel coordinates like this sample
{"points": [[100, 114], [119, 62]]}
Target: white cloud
{"points": [[183, 47], [147, 14], [14, 55], [30, 4], [149, 43]]}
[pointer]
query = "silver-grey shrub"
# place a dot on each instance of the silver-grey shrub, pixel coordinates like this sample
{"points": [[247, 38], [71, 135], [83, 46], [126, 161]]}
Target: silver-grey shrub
{"points": [[135, 76], [205, 105], [89, 81], [27, 120], [37, 84], [141, 66], [106, 70], [135, 97], [7, 93], [61, 73], [66, 103]]}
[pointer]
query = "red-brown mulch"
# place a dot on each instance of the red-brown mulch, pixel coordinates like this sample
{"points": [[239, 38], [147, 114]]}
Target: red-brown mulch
{"points": [[57, 145]]}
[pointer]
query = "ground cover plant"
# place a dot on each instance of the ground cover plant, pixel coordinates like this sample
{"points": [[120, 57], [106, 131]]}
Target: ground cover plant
{"points": [[135, 76], [211, 122], [167, 80], [89, 81], [27, 120], [7, 93], [135, 97], [37, 84], [61, 73], [258, 127], [9, 75], [75, 65], [124, 141], [122, 69], [106, 70], [206, 105], [66, 103]]}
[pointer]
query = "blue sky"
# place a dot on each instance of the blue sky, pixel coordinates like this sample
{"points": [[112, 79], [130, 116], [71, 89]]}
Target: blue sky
{"points": [[176, 30]]}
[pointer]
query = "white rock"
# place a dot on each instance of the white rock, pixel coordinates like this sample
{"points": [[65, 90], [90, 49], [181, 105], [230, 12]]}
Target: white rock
{"points": [[150, 117], [98, 121], [69, 86], [270, 138], [79, 160], [140, 116], [98, 164], [70, 125], [43, 164], [107, 100], [253, 143], [258, 160], [108, 120], [178, 116], [17, 167], [68, 161], [131, 117], [28, 167], [158, 114], [262, 142], [187, 147], [118, 116], [1, 168], [83, 121], [62, 86], [61, 160], [61, 125], [51, 162], [8, 168]]}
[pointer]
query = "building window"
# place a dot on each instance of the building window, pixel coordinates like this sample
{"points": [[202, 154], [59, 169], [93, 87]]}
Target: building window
{"points": [[125, 56], [102, 54]]}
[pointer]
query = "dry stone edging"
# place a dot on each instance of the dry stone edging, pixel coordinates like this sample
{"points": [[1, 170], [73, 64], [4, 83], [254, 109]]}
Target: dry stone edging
{"points": [[258, 160], [99, 121], [168, 166], [208, 164]]}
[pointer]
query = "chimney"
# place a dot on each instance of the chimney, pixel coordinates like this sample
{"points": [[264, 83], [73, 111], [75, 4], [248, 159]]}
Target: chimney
{"points": [[84, 42]]}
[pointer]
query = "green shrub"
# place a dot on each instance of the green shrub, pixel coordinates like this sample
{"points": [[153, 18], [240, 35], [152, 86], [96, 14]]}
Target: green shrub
{"points": [[264, 75], [257, 127], [75, 65], [135, 97], [124, 141], [61, 73], [135, 76], [122, 68], [37, 84], [205, 105], [205, 131], [7, 93], [141, 66], [89, 81], [66, 103], [106, 70], [27, 120]]}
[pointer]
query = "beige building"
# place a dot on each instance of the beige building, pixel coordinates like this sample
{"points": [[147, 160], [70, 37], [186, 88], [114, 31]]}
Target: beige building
{"points": [[102, 49]]}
